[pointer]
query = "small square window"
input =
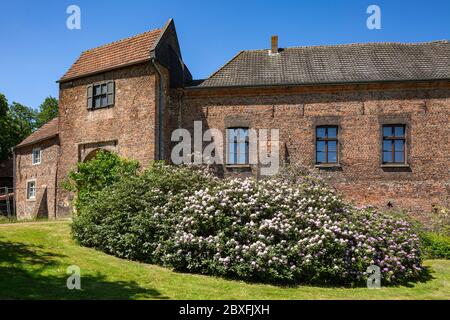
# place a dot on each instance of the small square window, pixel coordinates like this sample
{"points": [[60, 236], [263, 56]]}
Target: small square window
{"points": [[100, 95], [31, 190], [36, 156]]}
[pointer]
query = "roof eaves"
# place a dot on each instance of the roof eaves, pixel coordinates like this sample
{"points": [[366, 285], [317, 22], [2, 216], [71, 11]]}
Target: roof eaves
{"points": [[103, 70], [306, 84], [21, 145]]}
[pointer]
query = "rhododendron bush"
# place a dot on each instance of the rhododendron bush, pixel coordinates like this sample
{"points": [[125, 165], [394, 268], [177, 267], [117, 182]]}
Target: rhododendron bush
{"points": [[272, 230]]}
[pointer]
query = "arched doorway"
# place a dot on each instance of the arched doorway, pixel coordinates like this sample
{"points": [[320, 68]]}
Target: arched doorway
{"points": [[91, 155]]}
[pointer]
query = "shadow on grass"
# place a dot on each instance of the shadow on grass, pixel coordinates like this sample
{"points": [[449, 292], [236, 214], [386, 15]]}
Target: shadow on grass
{"points": [[30, 272], [423, 277]]}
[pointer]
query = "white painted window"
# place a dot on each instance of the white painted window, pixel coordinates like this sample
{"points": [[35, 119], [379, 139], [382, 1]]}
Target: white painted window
{"points": [[31, 190], [36, 158]]}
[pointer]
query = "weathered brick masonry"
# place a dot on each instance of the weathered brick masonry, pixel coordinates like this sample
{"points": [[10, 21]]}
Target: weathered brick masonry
{"points": [[360, 112], [128, 128], [44, 175]]}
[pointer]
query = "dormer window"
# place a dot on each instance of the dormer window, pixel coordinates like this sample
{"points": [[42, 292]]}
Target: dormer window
{"points": [[36, 156], [100, 95]]}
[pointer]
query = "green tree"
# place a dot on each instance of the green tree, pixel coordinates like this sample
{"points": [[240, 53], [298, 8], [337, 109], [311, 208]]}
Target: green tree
{"points": [[4, 128], [24, 119], [16, 124], [3, 106], [47, 111]]}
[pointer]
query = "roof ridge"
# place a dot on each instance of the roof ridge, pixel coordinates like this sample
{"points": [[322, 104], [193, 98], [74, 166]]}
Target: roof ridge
{"points": [[355, 44], [121, 40]]}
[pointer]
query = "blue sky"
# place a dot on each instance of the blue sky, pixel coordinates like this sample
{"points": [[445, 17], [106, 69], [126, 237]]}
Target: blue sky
{"points": [[36, 48]]}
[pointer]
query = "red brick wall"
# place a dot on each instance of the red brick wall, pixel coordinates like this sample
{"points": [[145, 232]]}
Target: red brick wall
{"points": [[44, 174], [128, 128], [360, 112]]}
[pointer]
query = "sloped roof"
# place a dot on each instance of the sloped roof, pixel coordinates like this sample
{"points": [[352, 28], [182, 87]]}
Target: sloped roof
{"points": [[47, 131], [114, 55], [369, 62]]}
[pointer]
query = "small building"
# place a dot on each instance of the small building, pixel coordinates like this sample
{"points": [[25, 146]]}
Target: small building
{"points": [[36, 182]]}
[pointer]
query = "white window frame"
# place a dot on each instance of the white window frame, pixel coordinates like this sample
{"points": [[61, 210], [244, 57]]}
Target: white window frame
{"points": [[34, 158], [232, 138], [31, 198]]}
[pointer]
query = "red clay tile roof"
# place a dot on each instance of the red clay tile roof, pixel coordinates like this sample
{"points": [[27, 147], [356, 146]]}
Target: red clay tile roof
{"points": [[47, 131], [114, 55]]}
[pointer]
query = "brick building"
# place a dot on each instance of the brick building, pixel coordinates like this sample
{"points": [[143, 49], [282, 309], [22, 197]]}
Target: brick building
{"points": [[374, 116]]}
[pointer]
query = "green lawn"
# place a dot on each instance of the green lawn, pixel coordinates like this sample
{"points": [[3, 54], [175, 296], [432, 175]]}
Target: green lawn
{"points": [[34, 258]]}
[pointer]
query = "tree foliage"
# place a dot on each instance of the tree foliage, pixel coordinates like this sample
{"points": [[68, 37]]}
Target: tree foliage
{"points": [[18, 121], [48, 110]]}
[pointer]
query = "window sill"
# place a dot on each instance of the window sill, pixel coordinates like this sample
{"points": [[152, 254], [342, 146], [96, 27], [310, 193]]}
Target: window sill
{"points": [[31, 200], [231, 166], [393, 165], [100, 108], [328, 165]]}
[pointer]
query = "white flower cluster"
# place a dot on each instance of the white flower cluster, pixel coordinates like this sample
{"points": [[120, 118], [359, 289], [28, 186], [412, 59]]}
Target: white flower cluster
{"points": [[272, 230]]}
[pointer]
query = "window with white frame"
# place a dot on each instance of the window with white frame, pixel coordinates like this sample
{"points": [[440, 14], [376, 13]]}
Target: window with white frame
{"points": [[238, 146], [36, 158], [31, 190]]}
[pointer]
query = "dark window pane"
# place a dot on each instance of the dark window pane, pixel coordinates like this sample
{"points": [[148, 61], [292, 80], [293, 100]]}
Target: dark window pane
{"points": [[399, 157], [332, 157], [97, 90], [104, 88], [387, 156], [104, 102], [387, 145], [321, 146], [97, 101], [399, 131], [399, 145], [387, 131], [332, 132], [332, 145], [321, 132], [321, 157]]}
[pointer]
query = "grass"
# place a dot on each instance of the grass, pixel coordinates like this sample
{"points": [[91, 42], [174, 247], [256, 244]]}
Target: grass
{"points": [[34, 258]]}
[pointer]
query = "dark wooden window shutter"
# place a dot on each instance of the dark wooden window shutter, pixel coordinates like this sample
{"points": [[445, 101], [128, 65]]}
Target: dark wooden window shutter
{"points": [[89, 97], [110, 91]]}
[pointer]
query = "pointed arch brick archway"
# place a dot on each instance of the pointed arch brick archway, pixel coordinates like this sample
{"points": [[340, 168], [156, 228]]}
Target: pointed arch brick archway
{"points": [[88, 151], [91, 155]]}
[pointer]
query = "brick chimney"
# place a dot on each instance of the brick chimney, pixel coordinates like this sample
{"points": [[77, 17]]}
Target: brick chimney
{"points": [[274, 45]]}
